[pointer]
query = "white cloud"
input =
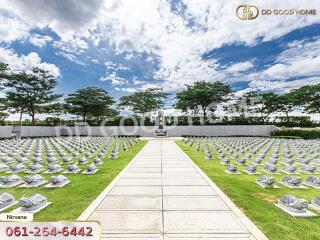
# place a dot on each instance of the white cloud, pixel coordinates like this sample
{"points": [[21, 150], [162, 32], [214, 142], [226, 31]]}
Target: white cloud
{"points": [[76, 45], [40, 40], [113, 78], [147, 25], [115, 66], [71, 49], [241, 92], [26, 62], [151, 27], [136, 81], [130, 90], [300, 59], [95, 61], [12, 28], [240, 67], [70, 19], [129, 56], [64, 17], [176, 42], [150, 85], [71, 57], [283, 85], [127, 89]]}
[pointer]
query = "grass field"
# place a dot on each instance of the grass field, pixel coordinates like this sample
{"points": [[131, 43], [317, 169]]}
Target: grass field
{"points": [[70, 201], [258, 203]]}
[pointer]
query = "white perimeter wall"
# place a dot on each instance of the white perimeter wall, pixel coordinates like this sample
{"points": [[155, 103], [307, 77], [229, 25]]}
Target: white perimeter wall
{"points": [[5, 131], [177, 131]]}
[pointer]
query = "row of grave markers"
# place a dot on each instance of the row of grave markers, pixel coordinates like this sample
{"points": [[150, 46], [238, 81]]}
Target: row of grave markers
{"points": [[44, 153], [252, 152]]}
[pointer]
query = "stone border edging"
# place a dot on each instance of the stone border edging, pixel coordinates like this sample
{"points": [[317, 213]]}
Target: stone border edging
{"points": [[96, 202], [254, 230]]}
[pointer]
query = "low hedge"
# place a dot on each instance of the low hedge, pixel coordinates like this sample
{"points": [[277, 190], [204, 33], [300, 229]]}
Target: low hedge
{"points": [[305, 134], [201, 136], [287, 137]]}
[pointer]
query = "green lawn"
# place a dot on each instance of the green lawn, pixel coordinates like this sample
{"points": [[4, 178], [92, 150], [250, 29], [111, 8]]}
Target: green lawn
{"points": [[258, 203], [70, 201]]}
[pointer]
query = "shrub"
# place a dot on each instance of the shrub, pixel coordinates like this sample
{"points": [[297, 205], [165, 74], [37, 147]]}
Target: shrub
{"points": [[305, 134], [295, 121], [287, 137], [241, 120]]}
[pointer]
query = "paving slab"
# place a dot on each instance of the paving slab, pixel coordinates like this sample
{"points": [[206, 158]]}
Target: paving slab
{"points": [[198, 181], [139, 182], [208, 237], [136, 191], [146, 165], [188, 191], [163, 195], [202, 222], [129, 221], [180, 175], [130, 203], [178, 237], [144, 170], [178, 169], [132, 237], [177, 165], [141, 175], [194, 203]]}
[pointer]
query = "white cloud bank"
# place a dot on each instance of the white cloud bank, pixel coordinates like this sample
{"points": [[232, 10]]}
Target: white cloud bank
{"points": [[301, 60], [65, 17], [177, 41], [40, 40], [26, 62]]}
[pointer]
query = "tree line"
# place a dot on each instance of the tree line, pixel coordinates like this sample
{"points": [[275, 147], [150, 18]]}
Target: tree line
{"points": [[32, 93], [204, 97]]}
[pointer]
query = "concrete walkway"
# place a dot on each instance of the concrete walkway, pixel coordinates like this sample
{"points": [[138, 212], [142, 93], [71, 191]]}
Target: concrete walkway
{"points": [[162, 194]]}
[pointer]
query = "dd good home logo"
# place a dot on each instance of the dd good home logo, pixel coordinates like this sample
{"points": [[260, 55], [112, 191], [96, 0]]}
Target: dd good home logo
{"points": [[250, 12], [247, 12]]}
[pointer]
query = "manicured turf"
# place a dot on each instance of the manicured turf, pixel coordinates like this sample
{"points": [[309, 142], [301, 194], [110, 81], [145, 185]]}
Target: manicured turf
{"points": [[70, 201], [258, 203]]}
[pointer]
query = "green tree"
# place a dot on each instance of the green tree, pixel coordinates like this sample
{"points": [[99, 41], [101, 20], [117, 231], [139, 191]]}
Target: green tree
{"points": [[90, 101], [203, 95], [15, 103], [144, 102], [4, 71], [4, 75], [264, 103], [242, 105], [32, 92], [3, 117], [287, 103], [56, 109], [52, 121], [308, 97]]}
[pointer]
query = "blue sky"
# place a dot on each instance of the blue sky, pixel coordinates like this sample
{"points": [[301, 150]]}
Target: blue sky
{"points": [[125, 46]]}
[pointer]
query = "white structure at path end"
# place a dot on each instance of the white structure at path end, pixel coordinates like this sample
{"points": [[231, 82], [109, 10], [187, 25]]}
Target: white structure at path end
{"points": [[143, 131], [162, 194]]}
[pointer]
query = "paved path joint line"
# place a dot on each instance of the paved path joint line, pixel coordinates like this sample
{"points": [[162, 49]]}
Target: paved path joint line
{"points": [[162, 194]]}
